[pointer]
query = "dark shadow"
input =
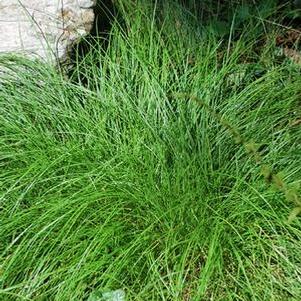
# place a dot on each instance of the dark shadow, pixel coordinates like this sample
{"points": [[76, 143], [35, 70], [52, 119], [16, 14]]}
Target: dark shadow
{"points": [[105, 13]]}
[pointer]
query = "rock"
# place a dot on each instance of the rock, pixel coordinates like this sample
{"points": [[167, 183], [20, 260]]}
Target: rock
{"points": [[44, 28]]}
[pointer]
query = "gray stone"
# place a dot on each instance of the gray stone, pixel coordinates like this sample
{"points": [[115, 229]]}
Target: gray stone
{"points": [[44, 28]]}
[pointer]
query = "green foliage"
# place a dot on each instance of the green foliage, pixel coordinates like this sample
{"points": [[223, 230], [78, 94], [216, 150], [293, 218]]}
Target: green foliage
{"points": [[115, 179], [252, 149]]}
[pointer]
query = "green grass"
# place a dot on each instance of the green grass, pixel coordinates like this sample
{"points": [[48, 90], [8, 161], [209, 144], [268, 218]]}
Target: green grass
{"points": [[112, 180]]}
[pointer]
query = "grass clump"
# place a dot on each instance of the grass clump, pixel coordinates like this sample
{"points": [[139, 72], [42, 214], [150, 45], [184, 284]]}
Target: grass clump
{"points": [[111, 180]]}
